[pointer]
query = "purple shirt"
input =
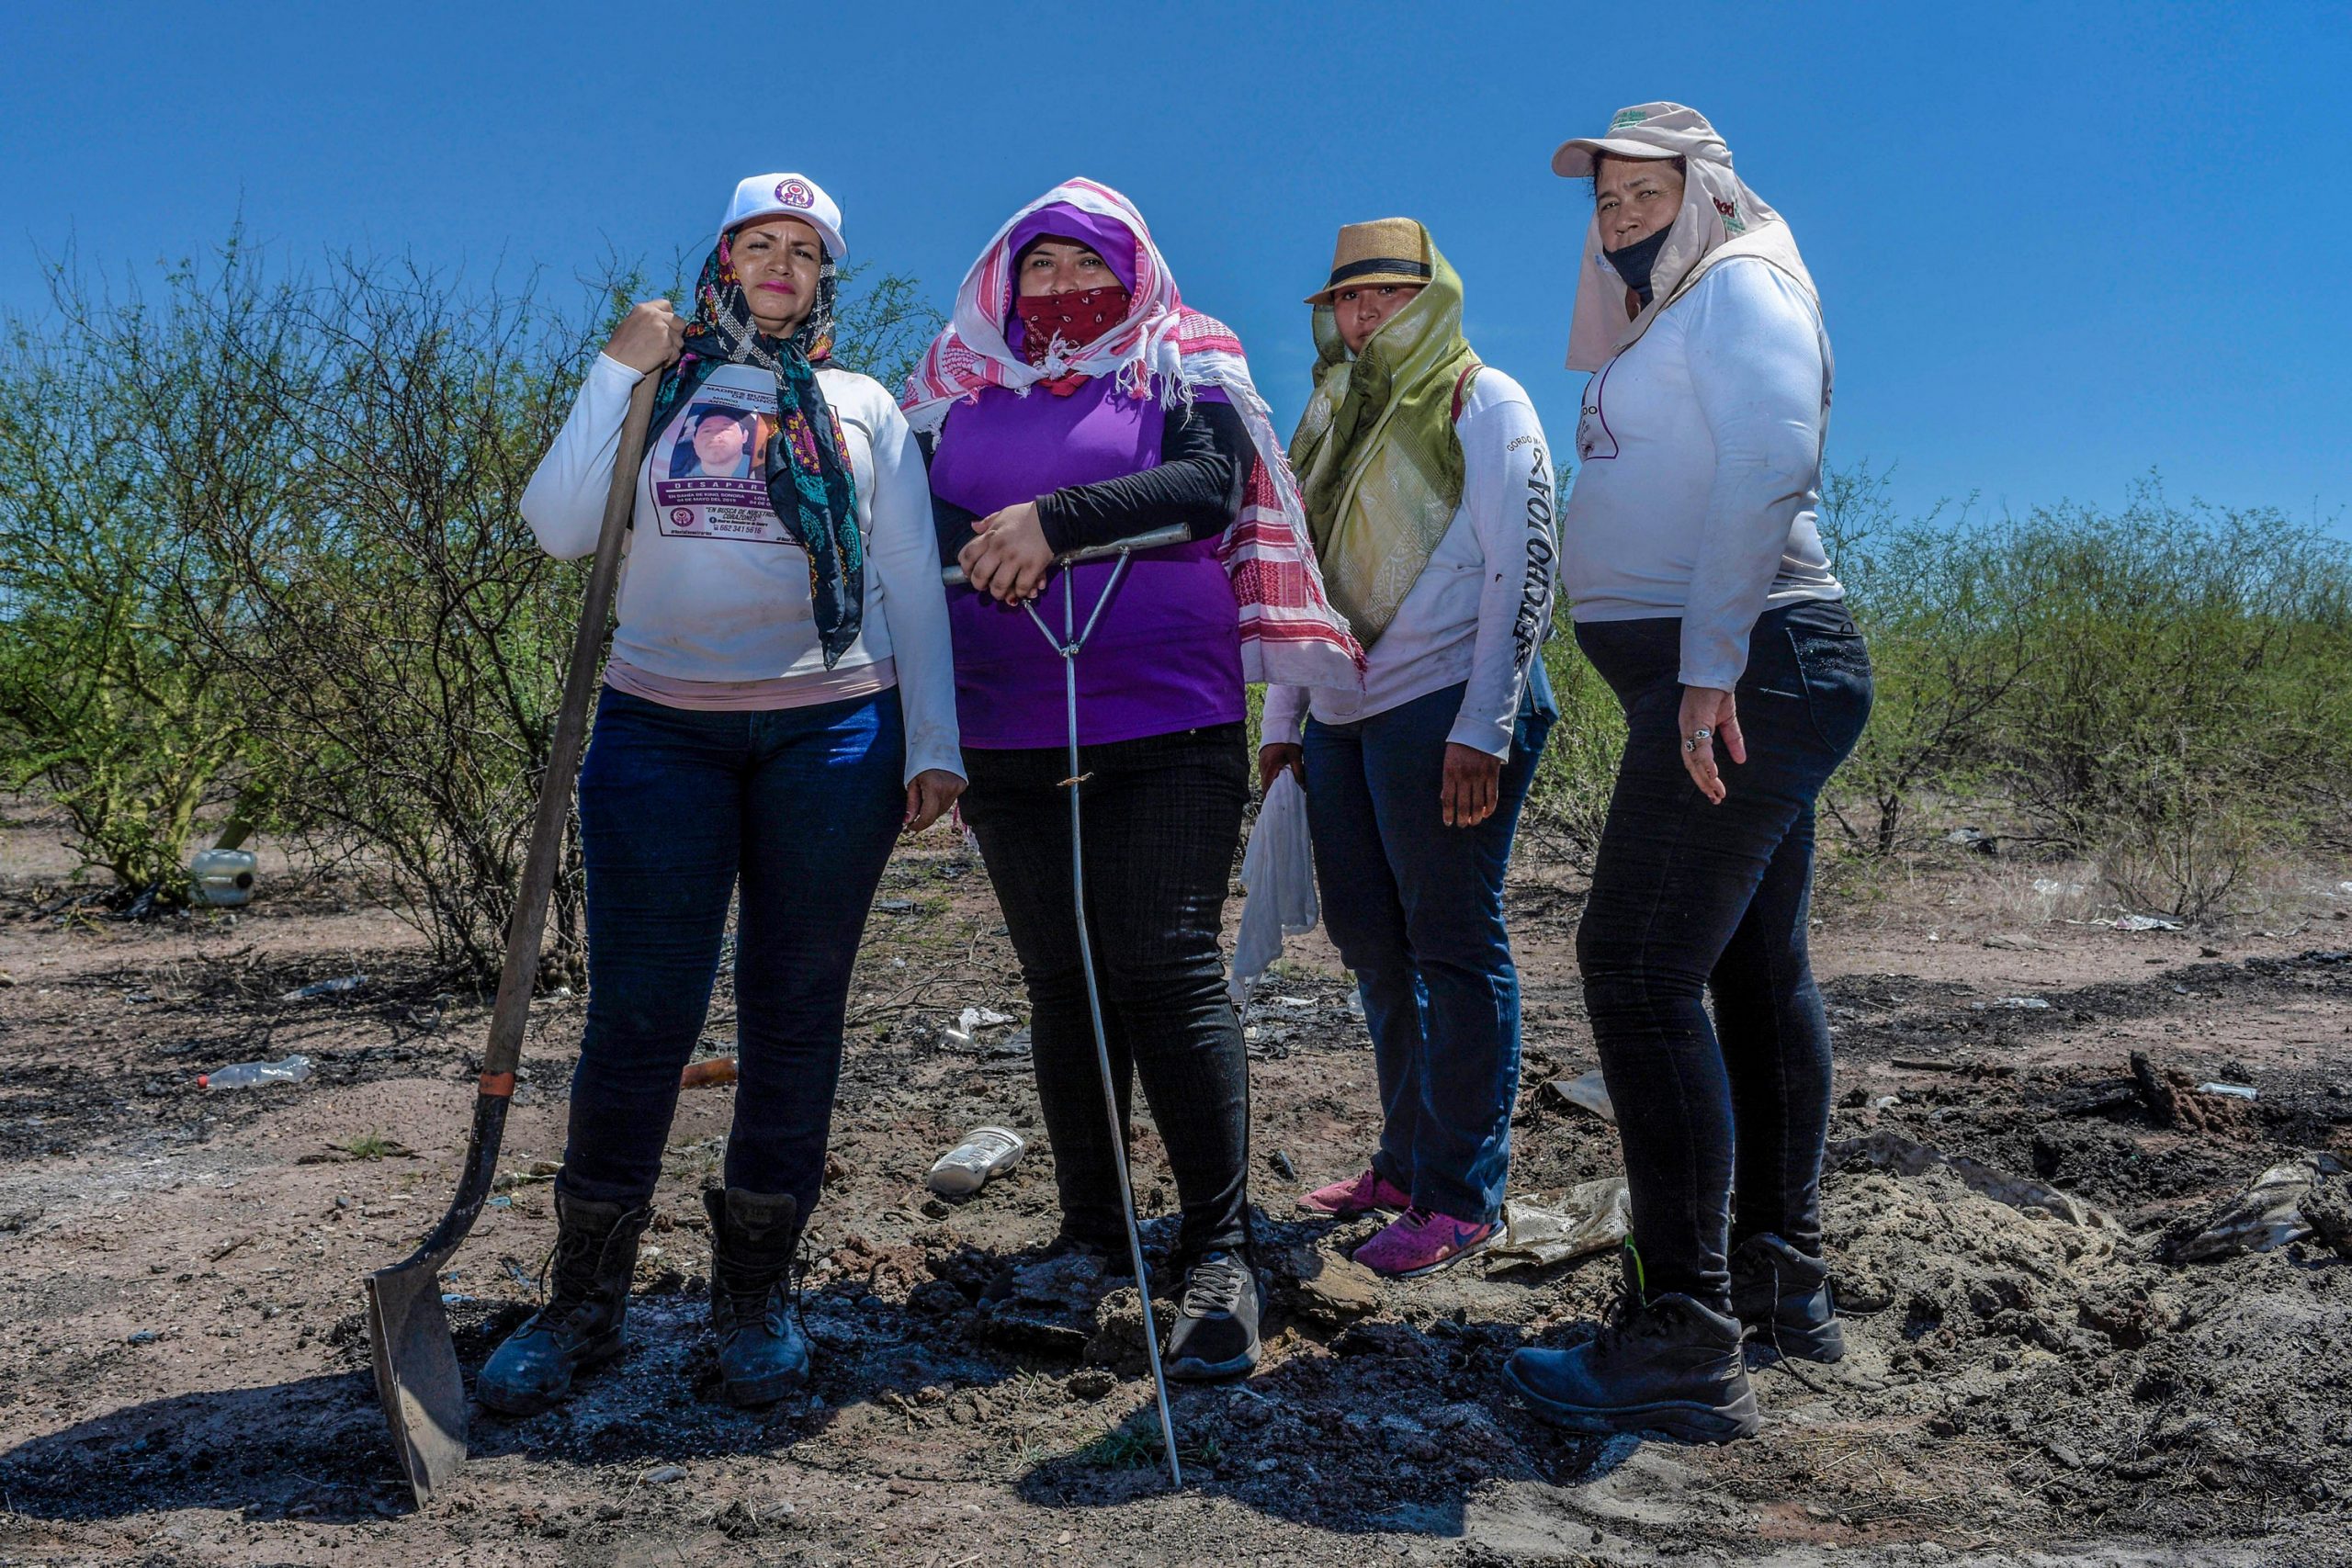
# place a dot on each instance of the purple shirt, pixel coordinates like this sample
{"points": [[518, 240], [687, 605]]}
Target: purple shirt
{"points": [[1166, 655]]}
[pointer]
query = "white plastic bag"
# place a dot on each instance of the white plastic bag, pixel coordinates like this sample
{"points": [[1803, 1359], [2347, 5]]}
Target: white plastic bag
{"points": [[1278, 875]]}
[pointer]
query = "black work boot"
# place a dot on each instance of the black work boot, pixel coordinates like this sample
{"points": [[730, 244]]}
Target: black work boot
{"points": [[762, 1355], [1215, 1333], [1665, 1363], [595, 1253], [1782, 1298]]}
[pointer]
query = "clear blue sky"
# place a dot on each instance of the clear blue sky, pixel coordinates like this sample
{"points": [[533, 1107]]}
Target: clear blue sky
{"points": [[2060, 244]]}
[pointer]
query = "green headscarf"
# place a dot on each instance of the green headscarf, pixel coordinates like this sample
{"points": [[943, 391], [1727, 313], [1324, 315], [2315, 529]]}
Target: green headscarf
{"points": [[1378, 463]]}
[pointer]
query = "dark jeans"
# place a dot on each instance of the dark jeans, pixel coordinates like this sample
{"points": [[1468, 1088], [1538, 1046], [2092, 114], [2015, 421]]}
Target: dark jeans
{"points": [[800, 805], [1691, 898], [1161, 818], [1416, 910]]}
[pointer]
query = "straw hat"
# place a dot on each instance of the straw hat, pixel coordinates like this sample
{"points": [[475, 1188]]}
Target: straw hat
{"points": [[1386, 250]]}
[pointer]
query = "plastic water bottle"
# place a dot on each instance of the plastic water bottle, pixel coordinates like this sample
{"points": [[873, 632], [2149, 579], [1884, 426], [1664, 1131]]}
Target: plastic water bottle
{"points": [[224, 878], [245, 1074]]}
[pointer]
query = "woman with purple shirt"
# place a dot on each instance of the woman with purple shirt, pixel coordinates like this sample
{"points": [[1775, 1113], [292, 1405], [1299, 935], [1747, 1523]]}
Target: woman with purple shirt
{"points": [[1076, 402]]}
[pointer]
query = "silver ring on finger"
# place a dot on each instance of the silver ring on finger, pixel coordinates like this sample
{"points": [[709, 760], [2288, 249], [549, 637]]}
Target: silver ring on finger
{"points": [[1691, 741]]}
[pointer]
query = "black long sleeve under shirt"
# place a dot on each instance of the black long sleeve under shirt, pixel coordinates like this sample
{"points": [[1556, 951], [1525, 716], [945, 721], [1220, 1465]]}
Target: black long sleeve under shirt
{"points": [[1205, 457]]}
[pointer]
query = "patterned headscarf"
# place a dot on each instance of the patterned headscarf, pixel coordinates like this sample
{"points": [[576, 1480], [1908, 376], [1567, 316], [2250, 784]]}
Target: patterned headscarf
{"points": [[1290, 634], [1379, 463], [809, 477]]}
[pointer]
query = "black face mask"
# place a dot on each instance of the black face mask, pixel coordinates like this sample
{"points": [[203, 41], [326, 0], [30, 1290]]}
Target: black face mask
{"points": [[1633, 263]]}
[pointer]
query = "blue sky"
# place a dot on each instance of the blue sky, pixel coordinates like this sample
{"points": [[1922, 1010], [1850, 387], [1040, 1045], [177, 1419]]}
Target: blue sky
{"points": [[2059, 244]]}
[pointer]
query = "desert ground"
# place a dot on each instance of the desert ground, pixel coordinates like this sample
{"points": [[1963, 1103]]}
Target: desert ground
{"points": [[2037, 1374]]}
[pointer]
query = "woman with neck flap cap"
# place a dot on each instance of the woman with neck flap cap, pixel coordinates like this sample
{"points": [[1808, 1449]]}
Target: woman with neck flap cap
{"points": [[1703, 597], [778, 706], [1429, 492], [1075, 401]]}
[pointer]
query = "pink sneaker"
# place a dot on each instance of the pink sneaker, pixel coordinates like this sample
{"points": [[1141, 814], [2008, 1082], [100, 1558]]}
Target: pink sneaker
{"points": [[1357, 1195], [1418, 1242]]}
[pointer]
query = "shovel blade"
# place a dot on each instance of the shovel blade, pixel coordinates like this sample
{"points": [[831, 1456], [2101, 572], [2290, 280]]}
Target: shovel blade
{"points": [[417, 1379]]}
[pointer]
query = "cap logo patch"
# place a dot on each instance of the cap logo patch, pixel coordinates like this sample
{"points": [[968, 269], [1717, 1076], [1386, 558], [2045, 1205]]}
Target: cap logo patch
{"points": [[1627, 117], [793, 193]]}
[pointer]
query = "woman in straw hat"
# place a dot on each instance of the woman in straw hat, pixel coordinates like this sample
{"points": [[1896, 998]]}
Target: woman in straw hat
{"points": [[1076, 401], [1428, 488], [1704, 598], [778, 706]]}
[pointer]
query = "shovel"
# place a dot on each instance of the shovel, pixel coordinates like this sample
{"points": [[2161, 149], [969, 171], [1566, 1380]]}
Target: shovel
{"points": [[417, 1379]]}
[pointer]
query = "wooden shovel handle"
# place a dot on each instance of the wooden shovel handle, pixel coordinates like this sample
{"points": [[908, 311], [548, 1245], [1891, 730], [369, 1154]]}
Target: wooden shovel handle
{"points": [[512, 1010]]}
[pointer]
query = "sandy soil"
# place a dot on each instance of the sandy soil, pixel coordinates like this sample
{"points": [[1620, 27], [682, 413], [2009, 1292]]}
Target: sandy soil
{"points": [[183, 1367]]}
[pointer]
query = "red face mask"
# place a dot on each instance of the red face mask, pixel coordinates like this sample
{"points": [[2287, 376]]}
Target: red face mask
{"points": [[1077, 319]]}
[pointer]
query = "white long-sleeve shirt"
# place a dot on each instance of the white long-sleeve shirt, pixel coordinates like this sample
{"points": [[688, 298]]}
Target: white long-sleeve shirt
{"points": [[1700, 470], [714, 590], [1481, 606]]}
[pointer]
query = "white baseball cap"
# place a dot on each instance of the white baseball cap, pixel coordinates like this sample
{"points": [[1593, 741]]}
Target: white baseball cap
{"points": [[787, 195]]}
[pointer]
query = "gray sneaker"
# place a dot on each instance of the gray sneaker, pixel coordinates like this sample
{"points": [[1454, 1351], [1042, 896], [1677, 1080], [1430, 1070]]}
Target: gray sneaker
{"points": [[1215, 1333]]}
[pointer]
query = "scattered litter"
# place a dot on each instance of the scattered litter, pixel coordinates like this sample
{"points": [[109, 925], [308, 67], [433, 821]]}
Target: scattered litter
{"points": [[1283, 1166], [968, 1024], [1587, 1091], [708, 1071], [1331, 1288], [2142, 924], [2010, 942], [663, 1474], [1888, 1151], [2023, 1004], [1355, 1002], [245, 1074], [966, 1168], [2265, 1215], [144, 1336], [224, 877], [1973, 839], [894, 906], [1292, 1001], [335, 987], [539, 1170], [2051, 887], [1885, 1101], [1593, 1217], [503, 1200], [1278, 879], [2235, 1090]]}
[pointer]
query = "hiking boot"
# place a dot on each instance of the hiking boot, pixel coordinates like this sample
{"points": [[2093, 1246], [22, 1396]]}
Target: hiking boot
{"points": [[1782, 1298], [1215, 1333], [579, 1326], [1419, 1242], [1357, 1195], [1666, 1364], [763, 1354]]}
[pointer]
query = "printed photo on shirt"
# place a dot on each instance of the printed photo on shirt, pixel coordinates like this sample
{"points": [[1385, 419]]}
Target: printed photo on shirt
{"points": [[712, 467], [719, 443]]}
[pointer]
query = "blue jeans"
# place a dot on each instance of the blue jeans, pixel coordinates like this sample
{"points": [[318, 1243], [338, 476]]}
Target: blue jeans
{"points": [[801, 806], [1416, 908], [1689, 898]]}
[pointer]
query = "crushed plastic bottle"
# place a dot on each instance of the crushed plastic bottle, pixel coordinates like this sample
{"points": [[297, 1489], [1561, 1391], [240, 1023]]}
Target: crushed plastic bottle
{"points": [[245, 1074]]}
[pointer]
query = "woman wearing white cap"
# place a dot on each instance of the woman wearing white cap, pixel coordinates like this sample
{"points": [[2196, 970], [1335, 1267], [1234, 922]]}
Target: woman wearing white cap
{"points": [[1703, 597], [779, 705]]}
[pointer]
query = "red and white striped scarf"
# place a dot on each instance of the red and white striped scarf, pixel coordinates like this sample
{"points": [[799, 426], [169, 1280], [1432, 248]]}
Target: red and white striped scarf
{"points": [[1290, 634]]}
